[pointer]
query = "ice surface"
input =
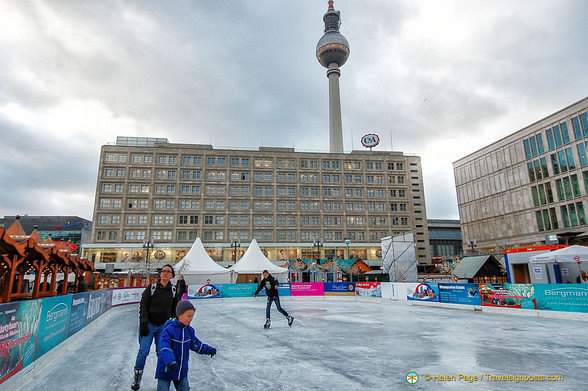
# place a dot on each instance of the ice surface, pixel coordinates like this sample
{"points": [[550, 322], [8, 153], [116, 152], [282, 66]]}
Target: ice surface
{"points": [[334, 344]]}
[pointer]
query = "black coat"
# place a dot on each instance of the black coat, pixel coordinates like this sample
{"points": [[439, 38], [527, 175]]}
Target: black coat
{"points": [[159, 307], [181, 289], [271, 286]]}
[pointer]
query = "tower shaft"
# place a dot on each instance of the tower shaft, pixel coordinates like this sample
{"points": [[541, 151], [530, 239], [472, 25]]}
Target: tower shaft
{"points": [[335, 123]]}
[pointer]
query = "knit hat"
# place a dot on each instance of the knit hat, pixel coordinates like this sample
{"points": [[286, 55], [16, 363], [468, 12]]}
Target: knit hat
{"points": [[184, 306]]}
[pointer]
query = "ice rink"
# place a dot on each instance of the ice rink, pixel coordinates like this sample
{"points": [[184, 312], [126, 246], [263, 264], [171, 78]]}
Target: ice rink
{"points": [[334, 344]]}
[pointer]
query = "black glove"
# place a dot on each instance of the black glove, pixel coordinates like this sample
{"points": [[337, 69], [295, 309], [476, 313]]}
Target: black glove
{"points": [[144, 329], [172, 366], [212, 352]]}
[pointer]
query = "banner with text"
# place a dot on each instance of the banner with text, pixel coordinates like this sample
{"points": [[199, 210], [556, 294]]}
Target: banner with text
{"points": [[79, 312], [460, 294], [307, 289], [339, 289], [283, 290], [98, 304], [122, 296], [508, 295], [54, 327], [369, 289], [19, 326], [562, 297], [239, 290]]}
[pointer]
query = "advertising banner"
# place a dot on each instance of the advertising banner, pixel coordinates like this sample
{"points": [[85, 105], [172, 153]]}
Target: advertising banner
{"points": [[206, 291], [307, 289], [460, 294], [369, 289], [98, 304], [562, 297], [19, 325], [508, 295], [54, 326], [339, 289], [79, 312], [423, 291], [239, 290], [121, 296], [283, 289]]}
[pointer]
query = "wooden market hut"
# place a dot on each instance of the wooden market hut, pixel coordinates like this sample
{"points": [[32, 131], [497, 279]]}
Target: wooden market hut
{"points": [[22, 254]]}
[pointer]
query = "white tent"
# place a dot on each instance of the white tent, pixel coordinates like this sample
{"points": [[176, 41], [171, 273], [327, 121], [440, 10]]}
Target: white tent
{"points": [[571, 254], [254, 262], [197, 267]]}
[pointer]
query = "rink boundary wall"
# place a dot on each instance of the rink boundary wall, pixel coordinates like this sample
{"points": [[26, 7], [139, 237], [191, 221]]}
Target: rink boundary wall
{"points": [[30, 329]]}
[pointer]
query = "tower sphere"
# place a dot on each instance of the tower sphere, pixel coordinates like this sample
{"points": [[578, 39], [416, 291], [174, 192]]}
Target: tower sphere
{"points": [[332, 48]]}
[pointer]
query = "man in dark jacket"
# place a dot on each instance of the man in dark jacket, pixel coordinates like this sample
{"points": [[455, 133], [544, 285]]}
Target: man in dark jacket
{"points": [[270, 283], [181, 288], [157, 306]]}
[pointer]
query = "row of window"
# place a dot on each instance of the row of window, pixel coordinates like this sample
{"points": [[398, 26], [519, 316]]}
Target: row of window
{"points": [[257, 220], [241, 235], [561, 162], [221, 161], [567, 188], [257, 176], [557, 136], [257, 205], [572, 214]]}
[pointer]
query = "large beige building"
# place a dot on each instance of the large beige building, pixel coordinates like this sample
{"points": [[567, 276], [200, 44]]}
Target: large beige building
{"points": [[286, 200], [527, 185]]}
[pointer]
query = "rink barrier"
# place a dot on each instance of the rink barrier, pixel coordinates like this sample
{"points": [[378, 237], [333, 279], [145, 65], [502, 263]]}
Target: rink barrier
{"points": [[30, 329]]}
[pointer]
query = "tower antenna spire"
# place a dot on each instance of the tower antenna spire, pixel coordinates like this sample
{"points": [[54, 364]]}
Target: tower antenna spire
{"points": [[332, 51]]}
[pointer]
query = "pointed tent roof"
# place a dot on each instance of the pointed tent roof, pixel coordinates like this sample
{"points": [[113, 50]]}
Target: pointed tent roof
{"points": [[16, 231], [198, 261], [253, 261]]}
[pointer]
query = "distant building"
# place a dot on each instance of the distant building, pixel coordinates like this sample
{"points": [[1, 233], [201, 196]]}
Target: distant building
{"points": [[69, 229], [529, 188], [445, 238], [288, 201]]}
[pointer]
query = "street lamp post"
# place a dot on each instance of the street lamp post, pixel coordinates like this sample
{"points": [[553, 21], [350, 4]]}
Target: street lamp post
{"points": [[148, 245], [472, 244], [318, 244], [235, 244], [347, 242]]}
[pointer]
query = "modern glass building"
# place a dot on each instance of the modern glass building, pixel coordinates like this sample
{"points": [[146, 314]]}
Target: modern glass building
{"points": [[69, 229], [529, 187]]}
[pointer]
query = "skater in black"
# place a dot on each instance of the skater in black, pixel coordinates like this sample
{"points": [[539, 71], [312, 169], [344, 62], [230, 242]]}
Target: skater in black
{"points": [[158, 303], [270, 283]]}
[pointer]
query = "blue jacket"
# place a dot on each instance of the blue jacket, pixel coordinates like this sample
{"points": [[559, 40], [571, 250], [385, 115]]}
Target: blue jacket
{"points": [[175, 344]]}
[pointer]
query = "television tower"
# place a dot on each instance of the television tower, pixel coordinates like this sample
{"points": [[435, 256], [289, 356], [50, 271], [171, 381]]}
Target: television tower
{"points": [[332, 51]]}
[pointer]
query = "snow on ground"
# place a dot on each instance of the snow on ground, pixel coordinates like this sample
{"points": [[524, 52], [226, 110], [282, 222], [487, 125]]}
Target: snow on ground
{"points": [[334, 344]]}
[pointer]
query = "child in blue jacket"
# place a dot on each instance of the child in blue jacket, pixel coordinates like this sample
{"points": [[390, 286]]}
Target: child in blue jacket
{"points": [[176, 341]]}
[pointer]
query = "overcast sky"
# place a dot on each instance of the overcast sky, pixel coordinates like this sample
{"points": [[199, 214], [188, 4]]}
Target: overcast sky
{"points": [[439, 79]]}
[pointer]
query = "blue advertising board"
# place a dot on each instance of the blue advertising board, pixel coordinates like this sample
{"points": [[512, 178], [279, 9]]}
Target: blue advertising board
{"points": [[54, 326], [283, 289], [19, 326], [339, 289], [460, 294], [239, 290], [98, 304], [562, 297], [206, 291], [79, 311], [423, 291]]}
